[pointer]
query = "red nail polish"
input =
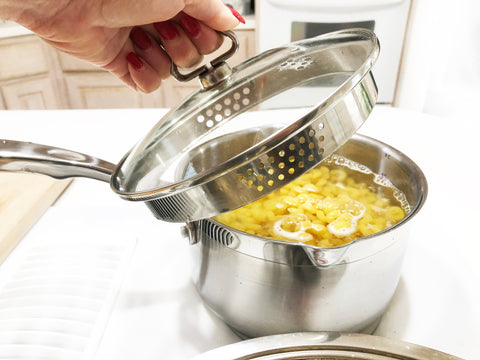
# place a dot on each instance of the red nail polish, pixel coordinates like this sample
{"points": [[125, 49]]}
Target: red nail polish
{"points": [[166, 30], [237, 15], [191, 25], [140, 39], [134, 60]]}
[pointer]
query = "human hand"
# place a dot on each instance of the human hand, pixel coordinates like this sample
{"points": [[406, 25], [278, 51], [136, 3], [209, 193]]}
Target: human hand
{"points": [[124, 36]]}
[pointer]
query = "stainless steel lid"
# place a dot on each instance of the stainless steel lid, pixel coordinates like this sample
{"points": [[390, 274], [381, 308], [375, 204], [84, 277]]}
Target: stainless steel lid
{"points": [[324, 345], [337, 65]]}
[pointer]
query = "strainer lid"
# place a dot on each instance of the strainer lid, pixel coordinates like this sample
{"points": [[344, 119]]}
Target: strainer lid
{"points": [[159, 169], [324, 345]]}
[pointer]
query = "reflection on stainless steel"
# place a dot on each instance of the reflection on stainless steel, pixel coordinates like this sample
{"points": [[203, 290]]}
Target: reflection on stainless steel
{"points": [[337, 63], [58, 163], [340, 61], [324, 345], [260, 286]]}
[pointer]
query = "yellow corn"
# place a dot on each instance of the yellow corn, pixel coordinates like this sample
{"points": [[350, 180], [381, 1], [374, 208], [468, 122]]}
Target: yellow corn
{"points": [[309, 204]]}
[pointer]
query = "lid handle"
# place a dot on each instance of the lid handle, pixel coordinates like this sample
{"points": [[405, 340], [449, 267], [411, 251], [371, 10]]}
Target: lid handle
{"points": [[218, 62]]}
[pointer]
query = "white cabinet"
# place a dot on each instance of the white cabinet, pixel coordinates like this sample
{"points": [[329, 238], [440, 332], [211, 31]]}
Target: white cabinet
{"points": [[99, 90], [33, 75], [27, 79], [30, 94], [21, 57]]}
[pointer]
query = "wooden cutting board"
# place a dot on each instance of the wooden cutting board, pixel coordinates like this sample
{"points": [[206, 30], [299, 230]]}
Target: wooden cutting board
{"points": [[24, 198]]}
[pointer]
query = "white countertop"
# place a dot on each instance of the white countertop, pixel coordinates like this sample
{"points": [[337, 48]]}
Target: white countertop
{"points": [[156, 313]]}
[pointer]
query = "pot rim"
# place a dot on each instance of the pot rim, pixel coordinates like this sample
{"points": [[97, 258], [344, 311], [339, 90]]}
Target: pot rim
{"points": [[334, 345]]}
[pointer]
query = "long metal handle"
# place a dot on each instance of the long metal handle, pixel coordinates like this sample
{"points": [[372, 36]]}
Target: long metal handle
{"points": [[19, 156]]}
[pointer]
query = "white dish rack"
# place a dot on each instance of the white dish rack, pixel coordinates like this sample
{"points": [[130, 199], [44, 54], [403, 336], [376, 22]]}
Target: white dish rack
{"points": [[56, 299]]}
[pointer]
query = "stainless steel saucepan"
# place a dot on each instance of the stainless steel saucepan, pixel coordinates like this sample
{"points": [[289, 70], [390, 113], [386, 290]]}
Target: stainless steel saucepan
{"points": [[191, 167], [261, 286], [323, 345]]}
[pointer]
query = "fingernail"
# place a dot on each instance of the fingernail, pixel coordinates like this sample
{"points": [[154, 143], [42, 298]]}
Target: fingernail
{"points": [[237, 15], [166, 30], [191, 25], [134, 60], [140, 39]]}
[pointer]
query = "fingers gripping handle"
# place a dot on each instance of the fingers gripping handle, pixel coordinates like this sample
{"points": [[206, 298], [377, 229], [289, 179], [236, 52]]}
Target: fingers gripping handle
{"points": [[219, 70]]}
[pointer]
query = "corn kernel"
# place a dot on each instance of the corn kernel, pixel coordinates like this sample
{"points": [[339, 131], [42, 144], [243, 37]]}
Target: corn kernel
{"points": [[324, 207]]}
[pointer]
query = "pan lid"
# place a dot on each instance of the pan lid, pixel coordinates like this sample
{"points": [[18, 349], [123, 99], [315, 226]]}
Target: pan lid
{"points": [[323, 345], [336, 67]]}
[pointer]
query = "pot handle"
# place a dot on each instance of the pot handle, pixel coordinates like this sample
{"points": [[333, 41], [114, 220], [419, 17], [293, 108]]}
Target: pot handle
{"points": [[19, 156]]}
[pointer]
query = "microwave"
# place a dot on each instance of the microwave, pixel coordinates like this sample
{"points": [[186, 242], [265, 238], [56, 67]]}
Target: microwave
{"points": [[283, 21]]}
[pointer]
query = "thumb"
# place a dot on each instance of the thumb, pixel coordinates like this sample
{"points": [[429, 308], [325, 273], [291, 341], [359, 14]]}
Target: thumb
{"points": [[141, 12], [213, 13], [117, 13]]}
